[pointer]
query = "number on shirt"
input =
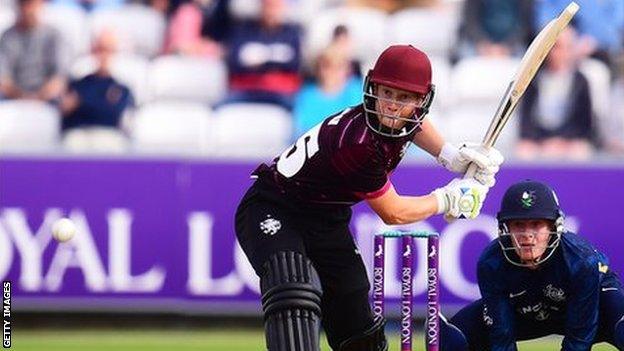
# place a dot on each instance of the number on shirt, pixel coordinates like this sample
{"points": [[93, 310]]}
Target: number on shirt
{"points": [[292, 160]]}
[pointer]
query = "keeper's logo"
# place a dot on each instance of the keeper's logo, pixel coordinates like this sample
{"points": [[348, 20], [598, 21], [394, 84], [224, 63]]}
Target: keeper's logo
{"points": [[528, 199]]}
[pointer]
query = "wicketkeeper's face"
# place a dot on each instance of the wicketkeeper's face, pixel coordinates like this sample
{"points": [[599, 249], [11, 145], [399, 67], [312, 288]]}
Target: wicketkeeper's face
{"points": [[530, 237]]}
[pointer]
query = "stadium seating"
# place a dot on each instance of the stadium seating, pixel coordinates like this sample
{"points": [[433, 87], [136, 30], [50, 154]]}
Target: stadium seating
{"points": [[72, 23], [477, 85], [244, 9], [7, 17], [140, 28], [367, 27], [482, 79], [298, 11], [187, 78], [470, 122], [251, 130], [599, 79], [441, 72], [99, 140], [414, 26], [466, 94], [28, 126], [172, 128]]}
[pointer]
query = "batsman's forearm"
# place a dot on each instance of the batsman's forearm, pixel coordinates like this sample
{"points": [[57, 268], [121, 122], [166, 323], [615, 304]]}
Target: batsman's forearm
{"points": [[414, 209]]}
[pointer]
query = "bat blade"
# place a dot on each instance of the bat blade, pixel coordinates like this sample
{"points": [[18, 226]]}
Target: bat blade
{"points": [[529, 65]]}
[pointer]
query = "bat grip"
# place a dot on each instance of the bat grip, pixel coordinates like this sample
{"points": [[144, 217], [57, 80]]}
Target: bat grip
{"points": [[472, 168], [471, 171]]}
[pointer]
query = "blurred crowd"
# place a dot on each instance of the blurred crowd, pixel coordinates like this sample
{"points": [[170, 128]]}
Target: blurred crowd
{"points": [[246, 77]]}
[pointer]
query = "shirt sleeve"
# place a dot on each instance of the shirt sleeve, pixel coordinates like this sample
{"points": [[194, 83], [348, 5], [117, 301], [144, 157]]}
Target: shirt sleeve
{"points": [[582, 312], [498, 309]]}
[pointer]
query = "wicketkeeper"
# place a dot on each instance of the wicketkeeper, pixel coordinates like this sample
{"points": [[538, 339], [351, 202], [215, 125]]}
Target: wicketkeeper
{"points": [[538, 279]]}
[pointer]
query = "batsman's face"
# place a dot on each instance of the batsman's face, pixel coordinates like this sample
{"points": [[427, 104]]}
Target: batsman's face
{"points": [[396, 103], [530, 237]]}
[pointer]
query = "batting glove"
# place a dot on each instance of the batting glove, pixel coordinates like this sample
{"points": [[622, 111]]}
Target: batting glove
{"points": [[461, 198], [457, 160]]}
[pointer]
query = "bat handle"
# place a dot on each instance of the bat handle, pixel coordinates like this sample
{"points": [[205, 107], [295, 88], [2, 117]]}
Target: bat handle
{"points": [[471, 171], [472, 168]]}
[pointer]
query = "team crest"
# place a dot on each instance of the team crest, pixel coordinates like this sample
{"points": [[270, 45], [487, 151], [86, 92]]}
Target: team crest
{"points": [[554, 294], [270, 226], [528, 199]]}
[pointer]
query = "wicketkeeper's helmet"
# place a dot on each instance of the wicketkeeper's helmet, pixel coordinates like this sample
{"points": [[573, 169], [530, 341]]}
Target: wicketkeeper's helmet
{"points": [[529, 200]]}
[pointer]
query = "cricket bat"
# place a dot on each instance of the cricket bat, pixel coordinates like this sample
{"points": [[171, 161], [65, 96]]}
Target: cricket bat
{"points": [[530, 63]]}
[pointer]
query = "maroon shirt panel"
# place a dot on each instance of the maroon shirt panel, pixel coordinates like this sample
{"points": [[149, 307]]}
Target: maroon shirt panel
{"points": [[337, 162]]}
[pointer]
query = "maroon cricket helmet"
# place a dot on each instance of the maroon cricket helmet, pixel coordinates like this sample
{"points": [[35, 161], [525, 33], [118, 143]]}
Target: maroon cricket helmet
{"points": [[401, 67]]}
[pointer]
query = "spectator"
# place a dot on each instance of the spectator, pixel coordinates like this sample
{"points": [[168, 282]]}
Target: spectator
{"points": [[494, 28], [341, 38], [32, 57], [600, 25], [556, 114], [184, 35], [94, 105], [613, 127], [388, 5], [91, 5], [263, 56], [335, 89]]}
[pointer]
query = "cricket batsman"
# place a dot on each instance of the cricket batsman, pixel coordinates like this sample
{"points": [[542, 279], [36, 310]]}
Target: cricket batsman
{"points": [[293, 222], [538, 279]]}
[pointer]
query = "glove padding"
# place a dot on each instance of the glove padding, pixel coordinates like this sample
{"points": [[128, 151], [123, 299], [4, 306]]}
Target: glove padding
{"points": [[458, 160], [461, 198]]}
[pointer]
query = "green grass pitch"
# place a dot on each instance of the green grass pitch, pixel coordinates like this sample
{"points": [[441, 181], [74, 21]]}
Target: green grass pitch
{"points": [[195, 340]]}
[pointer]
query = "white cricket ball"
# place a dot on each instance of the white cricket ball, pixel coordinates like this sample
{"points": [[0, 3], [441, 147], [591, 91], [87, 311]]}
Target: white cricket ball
{"points": [[63, 229]]}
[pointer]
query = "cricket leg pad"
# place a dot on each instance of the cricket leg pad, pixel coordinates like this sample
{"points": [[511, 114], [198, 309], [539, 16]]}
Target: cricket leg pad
{"points": [[619, 334], [291, 301], [372, 339]]}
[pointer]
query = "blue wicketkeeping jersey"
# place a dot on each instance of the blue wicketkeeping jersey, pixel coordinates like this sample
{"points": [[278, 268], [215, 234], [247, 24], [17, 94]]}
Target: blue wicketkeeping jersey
{"points": [[561, 295]]}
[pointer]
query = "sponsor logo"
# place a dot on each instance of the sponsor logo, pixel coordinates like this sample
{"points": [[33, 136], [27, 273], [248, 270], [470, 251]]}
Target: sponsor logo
{"points": [[432, 251], [408, 251], [379, 251], [270, 226], [512, 295], [542, 315]]}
